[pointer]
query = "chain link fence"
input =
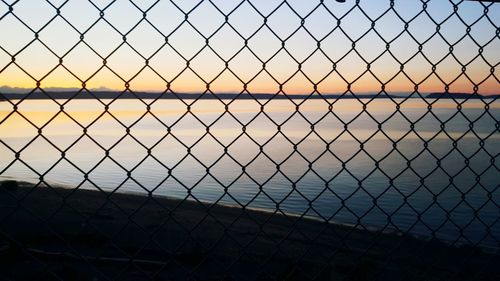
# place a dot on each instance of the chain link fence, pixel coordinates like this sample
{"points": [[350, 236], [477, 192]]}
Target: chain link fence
{"points": [[249, 140]]}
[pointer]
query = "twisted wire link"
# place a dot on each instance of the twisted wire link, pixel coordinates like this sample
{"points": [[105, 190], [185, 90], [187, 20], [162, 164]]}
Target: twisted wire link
{"points": [[263, 24]]}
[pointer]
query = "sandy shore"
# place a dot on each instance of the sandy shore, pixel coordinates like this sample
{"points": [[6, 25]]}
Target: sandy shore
{"points": [[60, 233]]}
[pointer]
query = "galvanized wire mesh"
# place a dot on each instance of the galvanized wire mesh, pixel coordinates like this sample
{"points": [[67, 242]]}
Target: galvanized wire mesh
{"points": [[299, 265]]}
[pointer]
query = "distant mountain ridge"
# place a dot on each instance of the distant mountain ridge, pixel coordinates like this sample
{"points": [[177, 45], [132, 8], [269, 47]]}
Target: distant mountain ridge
{"points": [[105, 93], [7, 92], [147, 95], [18, 90]]}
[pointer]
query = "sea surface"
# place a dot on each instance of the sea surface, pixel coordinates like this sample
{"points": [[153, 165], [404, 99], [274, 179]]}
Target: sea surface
{"points": [[438, 177]]}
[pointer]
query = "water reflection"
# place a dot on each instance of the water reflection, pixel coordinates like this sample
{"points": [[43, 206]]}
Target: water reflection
{"points": [[364, 174]]}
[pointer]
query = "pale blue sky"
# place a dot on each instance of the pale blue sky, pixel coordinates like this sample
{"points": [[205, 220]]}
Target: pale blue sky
{"points": [[123, 15]]}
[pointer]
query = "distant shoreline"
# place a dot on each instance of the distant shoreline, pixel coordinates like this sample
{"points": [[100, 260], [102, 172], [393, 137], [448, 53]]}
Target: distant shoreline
{"points": [[39, 95]]}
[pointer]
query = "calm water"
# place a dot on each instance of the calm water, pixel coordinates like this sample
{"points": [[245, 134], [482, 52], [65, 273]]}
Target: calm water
{"points": [[315, 168]]}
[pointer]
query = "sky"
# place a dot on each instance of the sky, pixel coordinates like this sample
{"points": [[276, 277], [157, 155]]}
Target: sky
{"points": [[188, 25]]}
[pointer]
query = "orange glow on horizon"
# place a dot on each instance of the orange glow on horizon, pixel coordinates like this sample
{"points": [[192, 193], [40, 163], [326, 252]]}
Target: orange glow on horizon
{"points": [[182, 85], [199, 53]]}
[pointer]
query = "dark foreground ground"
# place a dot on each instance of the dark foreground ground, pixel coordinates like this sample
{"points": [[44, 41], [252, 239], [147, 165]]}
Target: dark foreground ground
{"points": [[67, 234]]}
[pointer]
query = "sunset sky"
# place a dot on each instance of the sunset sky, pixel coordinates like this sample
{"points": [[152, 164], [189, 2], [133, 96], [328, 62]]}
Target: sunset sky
{"points": [[16, 39]]}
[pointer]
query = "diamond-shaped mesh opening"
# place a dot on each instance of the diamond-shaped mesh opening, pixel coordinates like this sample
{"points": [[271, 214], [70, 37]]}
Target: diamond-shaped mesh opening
{"points": [[249, 140]]}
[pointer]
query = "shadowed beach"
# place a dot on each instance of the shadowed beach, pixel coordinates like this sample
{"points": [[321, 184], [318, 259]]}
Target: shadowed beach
{"points": [[250, 140], [75, 234]]}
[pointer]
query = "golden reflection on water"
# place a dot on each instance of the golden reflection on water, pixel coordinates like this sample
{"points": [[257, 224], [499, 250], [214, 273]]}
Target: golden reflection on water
{"points": [[46, 115]]}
